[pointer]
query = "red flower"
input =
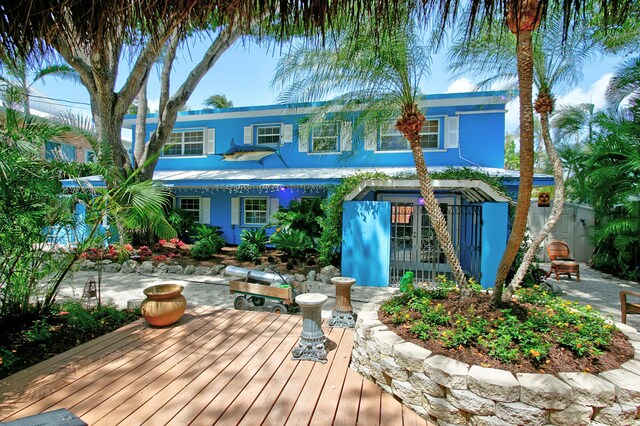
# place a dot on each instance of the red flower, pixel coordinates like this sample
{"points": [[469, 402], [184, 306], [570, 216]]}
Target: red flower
{"points": [[162, 242]]}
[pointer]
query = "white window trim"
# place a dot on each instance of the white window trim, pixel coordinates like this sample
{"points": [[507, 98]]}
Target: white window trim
{"points": [[183, 131], [337, 125], [441, 122], [243, 214], [254, 134], [182, 197]]}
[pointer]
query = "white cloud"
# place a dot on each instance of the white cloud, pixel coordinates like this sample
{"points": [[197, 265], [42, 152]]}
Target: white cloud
{"points": [[461, 85], [594, 95]]}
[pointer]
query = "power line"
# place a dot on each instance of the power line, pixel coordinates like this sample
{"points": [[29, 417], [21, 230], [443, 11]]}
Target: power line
{"points": [[59, 100]]}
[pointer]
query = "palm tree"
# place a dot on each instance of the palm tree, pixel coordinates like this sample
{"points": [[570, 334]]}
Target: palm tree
{"points": [[378, 79], [20, 76], [573, 121], [612, 173], [218, 101], [552, 62]]}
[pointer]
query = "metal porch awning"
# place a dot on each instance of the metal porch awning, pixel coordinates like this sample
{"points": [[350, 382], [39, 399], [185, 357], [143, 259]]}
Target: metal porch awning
{"points": [[475, 191]]}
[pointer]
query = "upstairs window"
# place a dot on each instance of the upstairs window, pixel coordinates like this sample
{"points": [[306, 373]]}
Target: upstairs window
{"points": [[324, 137], [189, 143], [254, 211], [268, 134], [392, 140]]}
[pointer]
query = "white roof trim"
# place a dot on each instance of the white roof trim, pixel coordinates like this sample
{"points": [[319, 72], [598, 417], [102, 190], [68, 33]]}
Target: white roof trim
{"points": [[318, 173], [476, 191]]}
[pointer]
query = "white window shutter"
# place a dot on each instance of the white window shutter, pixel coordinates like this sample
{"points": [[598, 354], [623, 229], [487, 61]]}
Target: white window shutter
{"points": [[451, 134], [370, 137], [287, 133], [235, 211], [274, 206], [345, 136], [205, 210], [303, 138], [248, 135], [210, 134]]}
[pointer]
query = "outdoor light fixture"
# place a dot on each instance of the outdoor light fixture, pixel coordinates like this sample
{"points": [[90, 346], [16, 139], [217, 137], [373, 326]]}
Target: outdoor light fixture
{"points": [[421, 201]]}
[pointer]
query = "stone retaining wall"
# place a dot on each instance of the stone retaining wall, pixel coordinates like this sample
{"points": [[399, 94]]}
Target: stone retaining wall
{"points": [[450, 392]]}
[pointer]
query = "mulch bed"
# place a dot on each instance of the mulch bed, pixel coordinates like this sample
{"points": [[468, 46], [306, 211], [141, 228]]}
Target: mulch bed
{"points": [[559, 360]]}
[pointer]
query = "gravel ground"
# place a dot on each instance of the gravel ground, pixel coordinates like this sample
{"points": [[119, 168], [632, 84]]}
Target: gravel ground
{"points": [[118, 289], [600, 290], [595, 288]]}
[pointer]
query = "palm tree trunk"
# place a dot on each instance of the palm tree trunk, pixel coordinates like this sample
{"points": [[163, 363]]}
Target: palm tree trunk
{"points": [[438, 221], [525, 85], [556, 210]]}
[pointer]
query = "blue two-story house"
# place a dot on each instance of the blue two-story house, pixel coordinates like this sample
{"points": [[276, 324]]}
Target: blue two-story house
{"points": [[235, 167]]}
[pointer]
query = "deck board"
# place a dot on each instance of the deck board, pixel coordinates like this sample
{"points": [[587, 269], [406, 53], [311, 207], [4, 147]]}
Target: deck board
{"points": [[214, 366]]}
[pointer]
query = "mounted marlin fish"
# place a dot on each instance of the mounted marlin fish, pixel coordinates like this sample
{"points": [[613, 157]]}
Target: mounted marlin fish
{"points": [[246, 153]]}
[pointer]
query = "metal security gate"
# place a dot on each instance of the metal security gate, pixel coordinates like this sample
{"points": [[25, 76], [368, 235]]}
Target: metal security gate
{"points": [[414, 246]]}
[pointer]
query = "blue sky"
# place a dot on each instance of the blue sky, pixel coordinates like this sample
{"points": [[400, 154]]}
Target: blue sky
{"points": [[244, 73]]}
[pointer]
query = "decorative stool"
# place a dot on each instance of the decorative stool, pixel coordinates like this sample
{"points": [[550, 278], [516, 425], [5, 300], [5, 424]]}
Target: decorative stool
{"points": [[312, 343], [342, 315]]}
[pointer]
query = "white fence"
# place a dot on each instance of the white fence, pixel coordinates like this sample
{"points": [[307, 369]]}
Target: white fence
{"points": [[575, 228]]}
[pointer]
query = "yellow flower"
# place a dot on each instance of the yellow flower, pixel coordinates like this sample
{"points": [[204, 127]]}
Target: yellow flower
{"points": [[588, 307], [534, 353]]}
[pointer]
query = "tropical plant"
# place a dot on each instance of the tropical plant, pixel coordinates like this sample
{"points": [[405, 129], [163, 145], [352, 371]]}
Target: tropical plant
{"points": [[612, 173], [206, 248], [218, 101], [378, 75], [548, 61], [575, 123], [19, 76], [248, 251], [255, 236], [303, 215], [209, 241], [293, 242], [182, 221]]}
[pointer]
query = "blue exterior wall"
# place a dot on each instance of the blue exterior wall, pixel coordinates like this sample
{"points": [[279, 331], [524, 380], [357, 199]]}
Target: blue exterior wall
{"points": [[481, 136], [494, 240], [366, 225], [220, 208]]}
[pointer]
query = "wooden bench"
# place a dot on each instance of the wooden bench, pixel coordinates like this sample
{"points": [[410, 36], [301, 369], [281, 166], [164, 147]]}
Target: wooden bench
{"points": [[561, 262], [626, 307]]}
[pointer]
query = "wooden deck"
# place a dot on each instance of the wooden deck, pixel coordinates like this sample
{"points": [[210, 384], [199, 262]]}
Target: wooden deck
{"points": [[214, 366]]}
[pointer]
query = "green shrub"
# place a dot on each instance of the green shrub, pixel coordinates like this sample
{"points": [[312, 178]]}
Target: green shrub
{"points": [[257, 237], [181, 221], [292, 241], [204, 232], [206, 248], [303, 216], [248, 251]]}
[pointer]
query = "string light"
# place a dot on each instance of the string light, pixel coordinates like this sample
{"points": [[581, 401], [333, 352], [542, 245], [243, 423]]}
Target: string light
{"points": [[248, 189]]}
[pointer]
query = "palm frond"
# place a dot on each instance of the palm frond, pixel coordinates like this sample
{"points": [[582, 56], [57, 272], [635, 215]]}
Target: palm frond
{"points": [[625, 81]]}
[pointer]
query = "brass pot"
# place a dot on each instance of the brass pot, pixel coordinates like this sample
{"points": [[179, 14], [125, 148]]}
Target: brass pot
{"points": [[164, 304]]}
